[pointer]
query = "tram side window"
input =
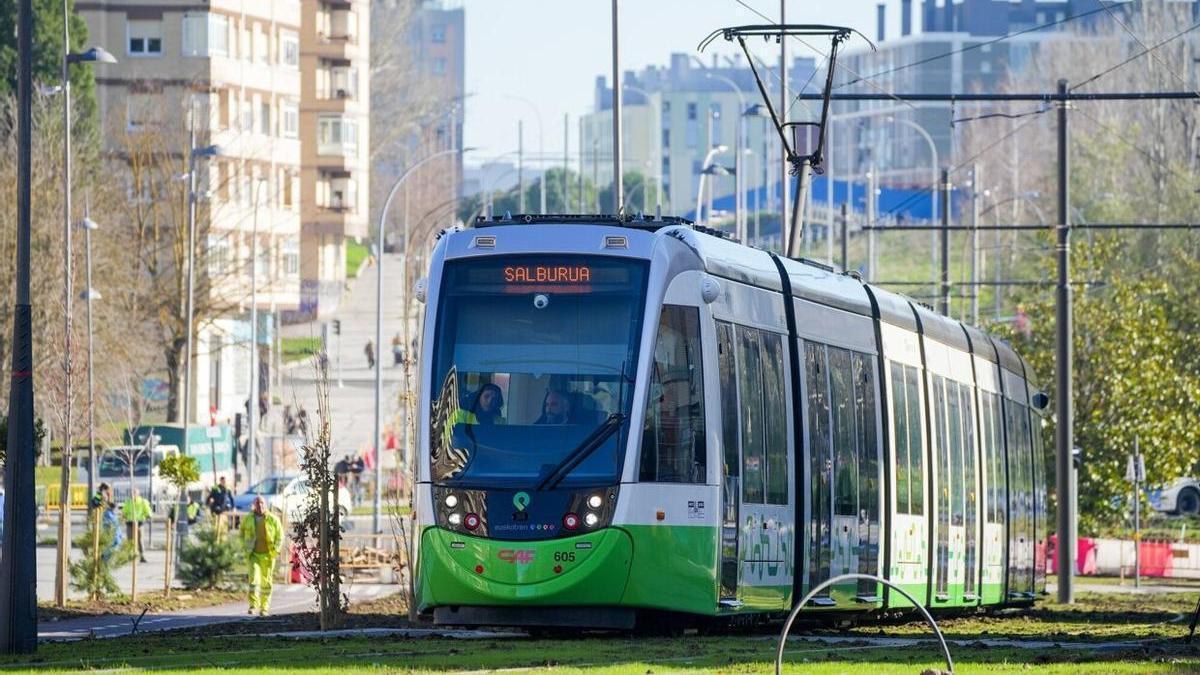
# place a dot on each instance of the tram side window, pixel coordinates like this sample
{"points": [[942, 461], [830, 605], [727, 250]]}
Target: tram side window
{"points": [[673, 443], [845, 435], [774, 405], [727, 369], [954, 398], [754, 469], [996, 494], [820, 462], [900, 438], [916, 452]]}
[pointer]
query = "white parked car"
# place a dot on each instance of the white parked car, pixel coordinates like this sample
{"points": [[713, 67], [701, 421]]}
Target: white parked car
{"points": [[287, 494], [1181, 497]]}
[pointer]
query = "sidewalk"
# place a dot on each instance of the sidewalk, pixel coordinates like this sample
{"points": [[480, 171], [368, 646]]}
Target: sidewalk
{"points": [[289, 599]]}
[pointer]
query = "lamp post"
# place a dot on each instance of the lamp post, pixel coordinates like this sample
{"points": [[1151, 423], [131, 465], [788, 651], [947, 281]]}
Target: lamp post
{"points": [[252, 409], [759, 111], [89, 295], [93, 55], [193, 154], [934, 194], [739, 143], [704, 166], [378, 432], [650, 153]]}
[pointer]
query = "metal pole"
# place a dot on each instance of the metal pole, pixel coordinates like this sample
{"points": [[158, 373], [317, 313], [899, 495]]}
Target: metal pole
{"points": [[191, 288], [944, 291], [1137, 515], [521, 166], [18, 564], [618, 182], [1064, 428], [708, 202], [252, 409], [975, 188], [581, 205], [566, 168], [871, 208], [784, 165], [87, 238], [845, 236], [64, 496], [829, 217]]}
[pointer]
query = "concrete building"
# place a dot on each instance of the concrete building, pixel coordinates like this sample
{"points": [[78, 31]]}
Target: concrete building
{"points": [[230, 69], [334, 118], [673, 116]]}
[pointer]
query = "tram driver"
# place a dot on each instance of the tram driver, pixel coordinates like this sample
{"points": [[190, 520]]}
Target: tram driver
{"points": [[556, 408], [484, 408]]}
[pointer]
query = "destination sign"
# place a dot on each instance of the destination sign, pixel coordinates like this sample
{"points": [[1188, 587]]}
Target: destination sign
{"points": [[547, 274]]}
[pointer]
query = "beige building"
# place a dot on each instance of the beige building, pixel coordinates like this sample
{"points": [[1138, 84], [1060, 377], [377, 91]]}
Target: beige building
{"points": [[335, 60], [233, 70]]}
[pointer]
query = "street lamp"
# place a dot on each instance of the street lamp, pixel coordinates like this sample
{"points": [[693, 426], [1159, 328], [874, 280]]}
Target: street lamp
{"points": [[760, 112], [651, 135], [88, 295], [194, 154], [739, 143], [933, 196], [252, 409], [704, 166], [93, 55], [378, 435]]}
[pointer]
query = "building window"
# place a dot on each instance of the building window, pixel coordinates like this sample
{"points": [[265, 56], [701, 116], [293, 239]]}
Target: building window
{"points": [[145, 38], [666, 138], [438, 34], [291, 257], [691, 112], [218, 254], [337, 193], [289, 43], [264, 118], [261, 48], [337, 135], [289, 114], [205, 34], [439, 66]]}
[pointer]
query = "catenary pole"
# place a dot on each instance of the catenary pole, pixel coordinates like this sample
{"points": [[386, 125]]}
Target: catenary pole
{"points": [[785, 166], [521, 166], [64, 496], [618, 182], [18, 563], [1064, 333], [944, 281], [976, 187]]}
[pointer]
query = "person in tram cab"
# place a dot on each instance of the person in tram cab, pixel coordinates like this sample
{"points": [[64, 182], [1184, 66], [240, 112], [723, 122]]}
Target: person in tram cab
{"points": [[484, 409], [556, 408]]}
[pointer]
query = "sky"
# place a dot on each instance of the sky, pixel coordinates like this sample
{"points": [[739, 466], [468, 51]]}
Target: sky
{"points": [[531, 58]]}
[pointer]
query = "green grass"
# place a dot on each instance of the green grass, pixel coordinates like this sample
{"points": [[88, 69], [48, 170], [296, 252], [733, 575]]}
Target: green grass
{"points": [[1108, 618], [299, 348], [356, 253]]}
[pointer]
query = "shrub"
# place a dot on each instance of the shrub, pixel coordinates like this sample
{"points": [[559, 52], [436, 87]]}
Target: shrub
{"points": [[211, 559], [96, 579]]}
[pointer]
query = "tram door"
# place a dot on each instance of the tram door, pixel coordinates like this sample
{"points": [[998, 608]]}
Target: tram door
{"points": [[757, 488]]}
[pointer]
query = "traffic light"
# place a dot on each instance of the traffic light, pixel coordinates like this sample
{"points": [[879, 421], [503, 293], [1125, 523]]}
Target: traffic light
{"points": [[337, 326]]}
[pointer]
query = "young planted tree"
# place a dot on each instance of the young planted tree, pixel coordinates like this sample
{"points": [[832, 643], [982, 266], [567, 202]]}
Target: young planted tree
{"points": [[92, 574], [211, 560], [317, 530], [179, 470]]}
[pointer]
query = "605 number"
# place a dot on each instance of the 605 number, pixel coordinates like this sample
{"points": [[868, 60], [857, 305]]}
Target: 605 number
{"points": [[564, 556]]}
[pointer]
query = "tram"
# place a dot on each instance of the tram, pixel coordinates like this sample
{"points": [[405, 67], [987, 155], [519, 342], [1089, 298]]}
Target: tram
{"points": [[624, 419]]}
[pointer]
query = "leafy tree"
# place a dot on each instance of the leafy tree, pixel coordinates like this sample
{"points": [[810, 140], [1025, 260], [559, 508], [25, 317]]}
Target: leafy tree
{"points": [[47, 55], [179, 470], [39, 433], [211, 559]]}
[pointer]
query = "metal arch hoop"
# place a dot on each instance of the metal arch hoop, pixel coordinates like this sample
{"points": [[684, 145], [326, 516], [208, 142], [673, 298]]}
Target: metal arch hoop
{"points": [[787, 626]]}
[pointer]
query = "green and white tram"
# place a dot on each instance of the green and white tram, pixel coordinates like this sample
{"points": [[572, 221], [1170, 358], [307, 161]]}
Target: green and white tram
{"points": [[626, 418]]}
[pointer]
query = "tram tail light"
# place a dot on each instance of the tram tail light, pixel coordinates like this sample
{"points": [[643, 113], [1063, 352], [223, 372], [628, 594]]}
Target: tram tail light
{"points": [[471, 522], [571, 521]]}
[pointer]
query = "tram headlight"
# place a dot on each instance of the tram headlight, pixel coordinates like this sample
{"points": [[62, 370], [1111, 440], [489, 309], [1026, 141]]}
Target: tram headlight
{"points": [[595, 501], [451, 501], [591, 519], [454, 518]]}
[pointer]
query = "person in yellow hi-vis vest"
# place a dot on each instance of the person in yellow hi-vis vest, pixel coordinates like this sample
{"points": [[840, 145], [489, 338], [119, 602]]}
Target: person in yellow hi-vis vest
{"points": [[261, 535], [136, 510]]}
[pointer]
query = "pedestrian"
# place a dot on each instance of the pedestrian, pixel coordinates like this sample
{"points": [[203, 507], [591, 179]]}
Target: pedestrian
{"points": [[264, 407], [111, 523], [136, 512], [302, 421], [101, 497], [397, 350], [369, 351], [220, 499], [261, 535]]}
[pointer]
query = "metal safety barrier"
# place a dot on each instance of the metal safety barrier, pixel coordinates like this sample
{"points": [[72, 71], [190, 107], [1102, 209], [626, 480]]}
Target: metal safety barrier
{"points": [[787, 626]]}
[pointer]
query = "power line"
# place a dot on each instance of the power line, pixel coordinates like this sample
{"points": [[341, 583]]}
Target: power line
{"points": [[968, 48], [1145, 51]]}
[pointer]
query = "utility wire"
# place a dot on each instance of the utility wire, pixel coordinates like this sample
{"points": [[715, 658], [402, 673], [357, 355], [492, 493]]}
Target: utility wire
{"points": [[1146, 51], [968, 48]]}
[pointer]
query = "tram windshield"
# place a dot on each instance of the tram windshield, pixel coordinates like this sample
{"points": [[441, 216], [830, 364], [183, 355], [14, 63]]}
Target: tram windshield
{"points": [[531, 356]]}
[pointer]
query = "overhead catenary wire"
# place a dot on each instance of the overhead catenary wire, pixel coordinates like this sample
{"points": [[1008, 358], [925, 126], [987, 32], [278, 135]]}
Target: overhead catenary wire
{"points": [[1145, 50]]}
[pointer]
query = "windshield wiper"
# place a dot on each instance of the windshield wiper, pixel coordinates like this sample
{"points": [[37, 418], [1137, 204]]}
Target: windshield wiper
{"points": [[582, 451]]}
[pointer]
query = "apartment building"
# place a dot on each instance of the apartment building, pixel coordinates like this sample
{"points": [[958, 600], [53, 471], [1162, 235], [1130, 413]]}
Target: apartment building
{"points": [[231, 71], [335, 61]]}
